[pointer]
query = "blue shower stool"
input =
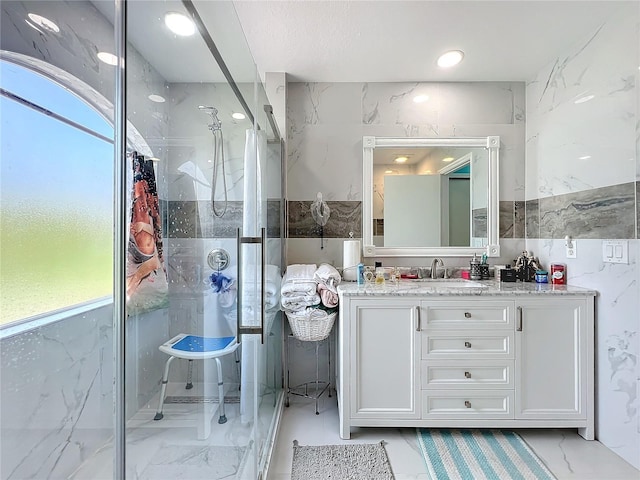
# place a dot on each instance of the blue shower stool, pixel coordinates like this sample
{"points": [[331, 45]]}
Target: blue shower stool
{"points": [[193, 347]]}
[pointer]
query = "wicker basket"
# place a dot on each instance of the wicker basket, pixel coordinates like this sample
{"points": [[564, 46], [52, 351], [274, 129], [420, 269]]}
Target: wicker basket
{"points": [[311, 326]]}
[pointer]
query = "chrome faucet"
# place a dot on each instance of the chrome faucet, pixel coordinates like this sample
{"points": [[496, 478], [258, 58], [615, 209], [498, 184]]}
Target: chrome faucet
{"points": [[434, 267]]}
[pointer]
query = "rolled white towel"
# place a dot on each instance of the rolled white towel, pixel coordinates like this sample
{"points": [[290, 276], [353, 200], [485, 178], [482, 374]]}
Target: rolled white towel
{"points": [[298, 280], [299, 302], [292, 288], [300, 271], [328, 275]]}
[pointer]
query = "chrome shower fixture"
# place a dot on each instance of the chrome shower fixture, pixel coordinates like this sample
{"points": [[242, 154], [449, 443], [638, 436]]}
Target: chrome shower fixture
{"points": [[218, 159], [216, 124]]}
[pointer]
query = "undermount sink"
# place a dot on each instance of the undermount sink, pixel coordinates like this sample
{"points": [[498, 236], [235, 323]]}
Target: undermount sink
{"points": [[449, 283]]}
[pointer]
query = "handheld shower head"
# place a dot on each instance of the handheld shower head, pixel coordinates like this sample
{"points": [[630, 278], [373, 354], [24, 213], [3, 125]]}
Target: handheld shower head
{"points": [[215, 124]]}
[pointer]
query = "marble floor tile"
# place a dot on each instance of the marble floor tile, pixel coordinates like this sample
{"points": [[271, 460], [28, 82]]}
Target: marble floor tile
{"points": [[170, 448], [567, 455]]}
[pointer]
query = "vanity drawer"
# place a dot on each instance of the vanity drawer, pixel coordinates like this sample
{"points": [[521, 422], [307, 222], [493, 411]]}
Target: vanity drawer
{"points": [[459, 345], [466, 313], [460, 374], [459, 405]]}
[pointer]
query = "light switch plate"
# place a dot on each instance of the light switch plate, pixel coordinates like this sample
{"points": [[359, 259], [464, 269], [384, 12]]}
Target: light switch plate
{"points": [[615, 251]]}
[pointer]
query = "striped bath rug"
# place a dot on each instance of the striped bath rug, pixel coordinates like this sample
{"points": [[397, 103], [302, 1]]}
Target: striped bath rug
{"points": [[479, 454]]}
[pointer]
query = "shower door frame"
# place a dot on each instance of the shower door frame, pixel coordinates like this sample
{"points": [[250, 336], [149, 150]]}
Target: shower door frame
{"points": [[120, 239]]}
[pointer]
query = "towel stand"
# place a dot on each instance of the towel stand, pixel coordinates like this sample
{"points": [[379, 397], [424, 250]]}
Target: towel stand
{"points": [[318, 387]]}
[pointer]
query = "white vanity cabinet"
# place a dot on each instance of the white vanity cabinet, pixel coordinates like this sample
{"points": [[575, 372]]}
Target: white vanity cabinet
{"points": [[466, 361], [554, 341], [383, 347]]}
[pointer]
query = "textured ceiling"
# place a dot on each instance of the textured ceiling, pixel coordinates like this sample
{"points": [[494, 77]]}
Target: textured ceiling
{"points": [[360, 40], [344, 41]]}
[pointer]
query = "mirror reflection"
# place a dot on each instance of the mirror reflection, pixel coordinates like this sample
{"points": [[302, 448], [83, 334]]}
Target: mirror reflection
{"points": [[430, 196], [433, 196]]}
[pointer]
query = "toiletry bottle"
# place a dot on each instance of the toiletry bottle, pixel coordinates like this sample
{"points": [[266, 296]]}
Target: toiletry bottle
{"points": [[379, 277], [474, 268], [360, 274]]}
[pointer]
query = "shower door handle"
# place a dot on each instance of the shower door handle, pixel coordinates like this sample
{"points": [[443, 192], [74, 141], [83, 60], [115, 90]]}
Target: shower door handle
{"points": [[261, 240]]}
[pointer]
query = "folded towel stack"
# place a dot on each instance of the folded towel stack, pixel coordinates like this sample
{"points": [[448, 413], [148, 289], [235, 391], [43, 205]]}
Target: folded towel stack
{"points": [[305, 286]]}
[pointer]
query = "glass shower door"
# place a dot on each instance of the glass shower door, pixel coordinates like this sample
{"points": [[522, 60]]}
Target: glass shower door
{"points": [[214, 246]]}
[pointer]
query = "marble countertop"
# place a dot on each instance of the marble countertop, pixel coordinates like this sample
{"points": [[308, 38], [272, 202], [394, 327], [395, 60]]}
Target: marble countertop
{"points": [[458, 287]]}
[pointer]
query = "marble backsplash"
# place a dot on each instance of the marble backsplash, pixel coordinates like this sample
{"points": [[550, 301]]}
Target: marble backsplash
{"points": [[511, 219], [345, 218], [606, 212], [195, 219], [638, 203]]}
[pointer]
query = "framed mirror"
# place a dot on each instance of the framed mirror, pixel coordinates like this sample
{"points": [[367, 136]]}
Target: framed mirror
{"points": [[425, 197]]}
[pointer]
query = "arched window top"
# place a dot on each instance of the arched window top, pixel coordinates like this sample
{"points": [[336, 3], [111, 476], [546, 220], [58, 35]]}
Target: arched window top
{"points": [[34, 87]]}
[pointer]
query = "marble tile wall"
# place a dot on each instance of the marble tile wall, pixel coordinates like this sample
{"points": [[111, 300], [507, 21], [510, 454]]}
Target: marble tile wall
{"points": [[327, 122], [581, 180], [324, 154], [56, 401], [605, 212], [345, 218], [512, 219]]}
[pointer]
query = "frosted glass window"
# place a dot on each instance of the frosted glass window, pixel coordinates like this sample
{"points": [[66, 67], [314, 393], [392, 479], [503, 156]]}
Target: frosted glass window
{"points": [[56, 192]]}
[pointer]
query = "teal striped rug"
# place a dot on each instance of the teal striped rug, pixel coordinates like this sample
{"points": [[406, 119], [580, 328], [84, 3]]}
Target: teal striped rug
{"points": [[479, 454]]}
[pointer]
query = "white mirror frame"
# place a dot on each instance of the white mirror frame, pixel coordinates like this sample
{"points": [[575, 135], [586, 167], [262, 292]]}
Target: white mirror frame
{"points": [[492, 249]]}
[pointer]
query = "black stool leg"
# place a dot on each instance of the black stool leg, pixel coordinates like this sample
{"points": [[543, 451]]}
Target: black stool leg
{"points": [[189, 385]]}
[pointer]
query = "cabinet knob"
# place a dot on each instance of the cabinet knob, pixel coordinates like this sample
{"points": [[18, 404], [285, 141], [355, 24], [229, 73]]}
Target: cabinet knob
{"points": [[467, 315], [467, 344], [467, 374], [467, 403]]}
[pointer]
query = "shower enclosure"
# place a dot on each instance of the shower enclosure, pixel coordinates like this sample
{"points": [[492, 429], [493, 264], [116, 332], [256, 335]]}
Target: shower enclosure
{"points": [[198, 225]]}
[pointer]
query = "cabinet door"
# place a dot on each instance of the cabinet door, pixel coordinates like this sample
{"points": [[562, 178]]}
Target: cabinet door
{"points": [[552, 353], [384, 357]]}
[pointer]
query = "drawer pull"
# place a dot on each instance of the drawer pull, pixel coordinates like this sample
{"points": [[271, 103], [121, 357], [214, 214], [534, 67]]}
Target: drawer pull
{"points": [[467, 374], [467, 344], [467, 315], [519, 324], [467, 403]]}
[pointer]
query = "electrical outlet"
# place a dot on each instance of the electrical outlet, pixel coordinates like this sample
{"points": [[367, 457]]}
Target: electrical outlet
{"points": [[571, 249]]}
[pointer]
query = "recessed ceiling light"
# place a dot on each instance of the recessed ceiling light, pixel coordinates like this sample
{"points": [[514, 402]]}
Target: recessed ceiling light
{"points": [[401, 159], [179, 24], [448, 159], [156, 98], [44, 23], [584, 157], [420, 98], [451, 58], [108, 58], [586, 98], [238, 116]]}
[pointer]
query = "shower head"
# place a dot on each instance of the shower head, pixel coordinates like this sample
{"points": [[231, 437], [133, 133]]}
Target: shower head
{"points": [[207, 109], [216, 124]]}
